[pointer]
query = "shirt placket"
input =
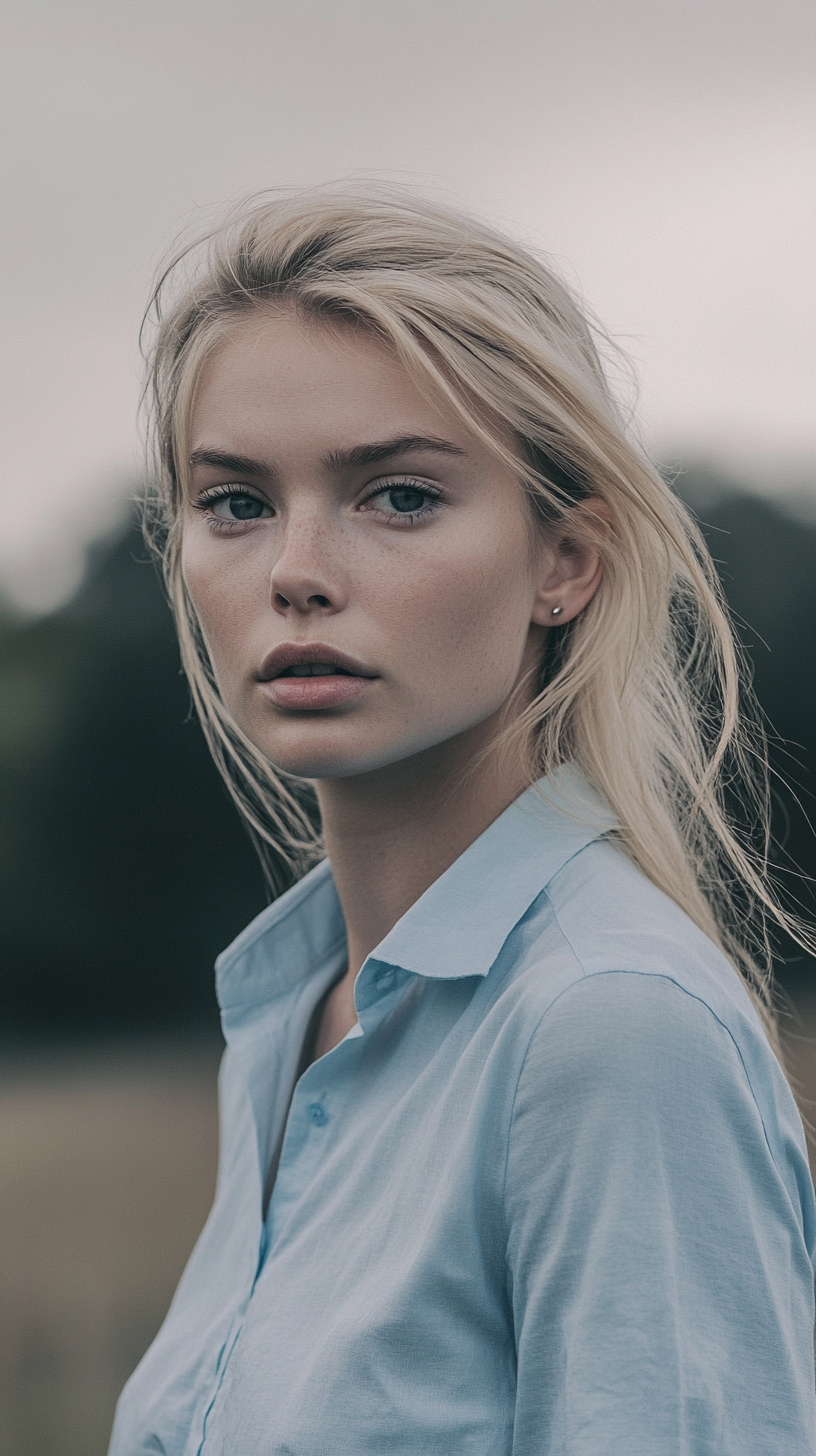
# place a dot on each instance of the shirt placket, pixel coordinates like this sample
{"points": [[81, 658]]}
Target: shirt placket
{"points": [[323, 1097], [314, 1124]]}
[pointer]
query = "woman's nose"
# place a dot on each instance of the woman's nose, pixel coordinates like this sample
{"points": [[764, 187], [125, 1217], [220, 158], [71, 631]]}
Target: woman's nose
{"points": [[304, 579]]}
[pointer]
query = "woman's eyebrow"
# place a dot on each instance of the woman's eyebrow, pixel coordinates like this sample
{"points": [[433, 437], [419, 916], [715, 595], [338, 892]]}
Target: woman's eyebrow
{"points": [[369, 454], [224, 460], [381, 450]]}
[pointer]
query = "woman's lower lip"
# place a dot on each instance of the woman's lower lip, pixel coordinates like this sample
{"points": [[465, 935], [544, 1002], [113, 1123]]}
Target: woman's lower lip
{"points": [[314, 692]]}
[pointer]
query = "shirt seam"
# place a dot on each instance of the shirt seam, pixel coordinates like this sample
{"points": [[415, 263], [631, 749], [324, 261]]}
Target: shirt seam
{"points": [[694, 997], [523, 1063], [618, 971]]}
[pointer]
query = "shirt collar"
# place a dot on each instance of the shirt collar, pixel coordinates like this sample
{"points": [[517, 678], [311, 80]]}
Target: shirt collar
{"points": [[458, 926], [283, 945]]}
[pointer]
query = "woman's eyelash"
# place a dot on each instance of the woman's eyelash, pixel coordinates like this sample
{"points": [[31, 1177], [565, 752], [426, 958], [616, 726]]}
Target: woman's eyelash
{"points": [[410, 501], [220, 492], [406, 485], [247, 506]]}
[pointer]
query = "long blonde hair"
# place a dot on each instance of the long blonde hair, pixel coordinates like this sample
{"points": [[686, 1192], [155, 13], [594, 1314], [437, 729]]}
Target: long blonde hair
{"points": [[646, 690]]}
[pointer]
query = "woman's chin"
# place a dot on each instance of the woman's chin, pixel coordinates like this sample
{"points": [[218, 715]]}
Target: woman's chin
{"points": [[332, 762], [347, 758]]}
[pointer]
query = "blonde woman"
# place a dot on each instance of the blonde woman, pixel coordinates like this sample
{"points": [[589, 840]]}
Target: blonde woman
{"points": [[508, 1163]]}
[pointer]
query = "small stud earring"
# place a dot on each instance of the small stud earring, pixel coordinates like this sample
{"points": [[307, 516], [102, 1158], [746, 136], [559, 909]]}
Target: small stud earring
{"points": [[556, 611]]}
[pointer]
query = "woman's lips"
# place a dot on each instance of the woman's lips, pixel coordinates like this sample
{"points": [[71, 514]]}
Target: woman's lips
{"points": [[306, 679], [324, 691]]}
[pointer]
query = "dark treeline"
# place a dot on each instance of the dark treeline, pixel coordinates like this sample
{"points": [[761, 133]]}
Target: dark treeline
{"points": [[123, 866]]}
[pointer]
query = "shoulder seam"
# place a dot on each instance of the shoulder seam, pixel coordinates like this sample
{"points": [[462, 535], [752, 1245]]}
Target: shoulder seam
{"points": [[694, 997], [652, 976]]}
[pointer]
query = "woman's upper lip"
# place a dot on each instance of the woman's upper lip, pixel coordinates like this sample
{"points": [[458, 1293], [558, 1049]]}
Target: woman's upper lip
{"points": [[293, 654]]}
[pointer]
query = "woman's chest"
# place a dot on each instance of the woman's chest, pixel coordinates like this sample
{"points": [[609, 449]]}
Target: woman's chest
{"points": [[380, 1312]]}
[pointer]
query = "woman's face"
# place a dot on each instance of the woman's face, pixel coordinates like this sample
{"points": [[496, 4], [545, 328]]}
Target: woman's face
{"points": [[362, 568]]}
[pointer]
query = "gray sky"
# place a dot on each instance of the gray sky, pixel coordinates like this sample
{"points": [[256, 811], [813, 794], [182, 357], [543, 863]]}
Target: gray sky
{"points": [[663, 151]]}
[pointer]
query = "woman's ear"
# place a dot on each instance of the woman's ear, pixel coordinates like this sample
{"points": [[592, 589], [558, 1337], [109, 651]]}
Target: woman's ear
{"points": [[570, 566]]}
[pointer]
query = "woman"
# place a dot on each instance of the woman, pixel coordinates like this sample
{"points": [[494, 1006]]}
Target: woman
{"points": [[508, 1163]]}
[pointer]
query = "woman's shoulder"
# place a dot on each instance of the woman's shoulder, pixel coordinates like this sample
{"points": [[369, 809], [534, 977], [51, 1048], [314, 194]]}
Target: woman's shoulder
{"points": [[647, 1022], [656, 1188], [617, 925]]}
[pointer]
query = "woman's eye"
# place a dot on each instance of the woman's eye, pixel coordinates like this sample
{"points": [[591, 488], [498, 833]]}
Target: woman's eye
{"points": [[237, 507], [404, 500]]}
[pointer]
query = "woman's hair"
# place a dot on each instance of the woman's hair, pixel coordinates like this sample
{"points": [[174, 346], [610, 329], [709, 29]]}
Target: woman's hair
{"points": [[645, 690]]}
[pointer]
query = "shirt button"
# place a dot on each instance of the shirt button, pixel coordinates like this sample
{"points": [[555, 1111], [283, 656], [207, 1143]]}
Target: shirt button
{"points": [[317, 1113], [384, 981]]}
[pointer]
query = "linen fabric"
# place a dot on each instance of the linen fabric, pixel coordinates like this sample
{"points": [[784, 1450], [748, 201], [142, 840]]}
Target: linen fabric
{"points": [[549, 1197]]}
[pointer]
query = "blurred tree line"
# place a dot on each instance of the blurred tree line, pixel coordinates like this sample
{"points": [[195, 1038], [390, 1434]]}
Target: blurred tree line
{"points": [[123, 866]]}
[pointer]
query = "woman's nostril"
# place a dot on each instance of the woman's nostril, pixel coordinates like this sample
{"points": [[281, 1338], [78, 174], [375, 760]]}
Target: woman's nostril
{"points": [[315, 601]]}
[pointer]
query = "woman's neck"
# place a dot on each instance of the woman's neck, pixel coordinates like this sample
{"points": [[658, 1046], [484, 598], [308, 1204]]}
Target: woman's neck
{"points": [[390, 833]]}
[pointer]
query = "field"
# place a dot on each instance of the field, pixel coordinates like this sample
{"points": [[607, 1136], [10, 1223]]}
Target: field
{"points": [[108, 1166], [107, 1169]]}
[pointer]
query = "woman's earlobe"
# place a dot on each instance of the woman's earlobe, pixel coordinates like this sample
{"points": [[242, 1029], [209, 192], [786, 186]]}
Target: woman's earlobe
{"points": [[573, 570]]}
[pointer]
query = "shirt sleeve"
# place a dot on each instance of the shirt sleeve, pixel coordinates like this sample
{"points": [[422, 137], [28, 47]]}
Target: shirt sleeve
{"points": [[661, 1285]]}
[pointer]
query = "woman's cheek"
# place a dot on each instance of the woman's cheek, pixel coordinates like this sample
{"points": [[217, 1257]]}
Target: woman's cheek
{"points": [[461, 637], [221, 584]]}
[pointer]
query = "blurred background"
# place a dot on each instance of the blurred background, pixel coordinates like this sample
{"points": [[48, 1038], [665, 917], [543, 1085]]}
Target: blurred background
{"points": [[661, 152]]}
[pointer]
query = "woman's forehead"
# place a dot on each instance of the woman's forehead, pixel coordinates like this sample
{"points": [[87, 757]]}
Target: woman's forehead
{"points": [[280, 375]]}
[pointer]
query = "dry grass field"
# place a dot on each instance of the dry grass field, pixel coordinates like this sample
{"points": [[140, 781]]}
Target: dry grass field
{"points": [[107, 1167]]}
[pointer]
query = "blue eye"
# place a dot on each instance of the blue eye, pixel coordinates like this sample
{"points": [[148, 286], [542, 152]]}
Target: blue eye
{"points": [[405, 500], [237, 507]]}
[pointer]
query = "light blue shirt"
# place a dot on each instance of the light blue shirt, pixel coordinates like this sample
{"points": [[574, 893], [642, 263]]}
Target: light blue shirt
{"points": [[549, 1197]]}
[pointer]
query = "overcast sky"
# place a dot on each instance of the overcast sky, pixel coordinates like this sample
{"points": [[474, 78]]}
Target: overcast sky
{"points": [[663, 151]]}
